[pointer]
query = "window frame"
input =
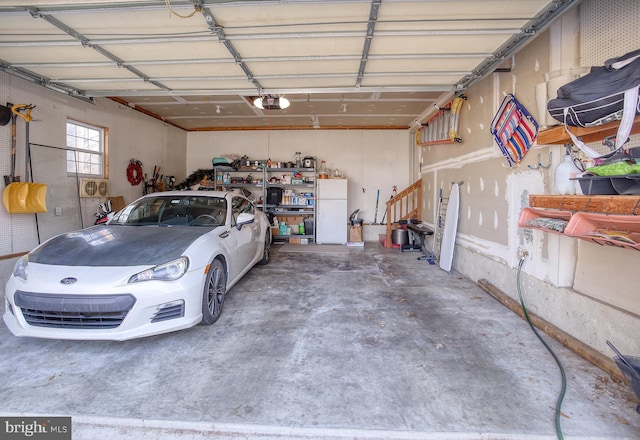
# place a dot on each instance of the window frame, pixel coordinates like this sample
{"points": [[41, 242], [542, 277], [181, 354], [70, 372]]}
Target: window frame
{"points": [[245, 206], [104, 148]]}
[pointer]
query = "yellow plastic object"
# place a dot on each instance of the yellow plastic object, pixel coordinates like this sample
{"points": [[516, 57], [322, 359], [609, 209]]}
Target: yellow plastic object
{"points": [[25, 198], [37, 197], [26, 116], [456, 106]]}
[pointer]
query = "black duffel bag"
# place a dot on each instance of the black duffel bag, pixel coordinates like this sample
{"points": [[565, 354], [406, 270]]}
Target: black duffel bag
{"points": [[607, 93]]}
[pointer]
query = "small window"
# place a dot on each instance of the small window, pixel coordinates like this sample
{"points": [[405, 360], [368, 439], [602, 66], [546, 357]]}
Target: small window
{"points": [[86, 149]]}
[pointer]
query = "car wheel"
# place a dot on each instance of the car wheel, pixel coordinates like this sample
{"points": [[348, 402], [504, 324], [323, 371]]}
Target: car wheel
{"points": [[215, 289], [266, 254]]}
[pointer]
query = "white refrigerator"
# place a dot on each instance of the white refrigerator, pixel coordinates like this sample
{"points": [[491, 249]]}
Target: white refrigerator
{"points": [[332, 217]]}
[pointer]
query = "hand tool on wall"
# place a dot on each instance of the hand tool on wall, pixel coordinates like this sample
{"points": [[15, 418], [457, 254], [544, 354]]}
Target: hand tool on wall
{"points": [[394, 192], [12, 177], [24, 197], [28, 173], [375, 217]]}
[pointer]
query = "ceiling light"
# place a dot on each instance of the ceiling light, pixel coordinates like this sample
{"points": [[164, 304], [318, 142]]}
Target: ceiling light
{"points": [[271, 102]]}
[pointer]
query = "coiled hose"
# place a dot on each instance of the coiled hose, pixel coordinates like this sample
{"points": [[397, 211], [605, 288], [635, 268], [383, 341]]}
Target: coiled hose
{"points": [[560, 367]]}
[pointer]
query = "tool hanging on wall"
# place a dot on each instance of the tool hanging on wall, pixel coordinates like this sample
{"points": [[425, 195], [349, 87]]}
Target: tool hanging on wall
{"points": [[12, 177], [375, 217], [156, 183], [23, 197], [7, 116], [394, 192]]}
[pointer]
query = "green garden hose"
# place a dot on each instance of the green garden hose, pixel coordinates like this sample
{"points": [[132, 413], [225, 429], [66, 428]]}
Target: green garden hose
{"points": [[562, 372]]}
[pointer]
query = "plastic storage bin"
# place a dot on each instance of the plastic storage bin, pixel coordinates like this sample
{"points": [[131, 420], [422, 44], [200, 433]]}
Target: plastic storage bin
{"points": [[626, 185], [596, 185]]}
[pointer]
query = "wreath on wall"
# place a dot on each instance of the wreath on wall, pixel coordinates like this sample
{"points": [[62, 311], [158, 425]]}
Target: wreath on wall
{"points": [[134, 172]]}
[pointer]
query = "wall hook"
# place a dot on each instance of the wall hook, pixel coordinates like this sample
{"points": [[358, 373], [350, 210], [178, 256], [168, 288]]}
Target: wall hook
{"points": [[540, 162]]}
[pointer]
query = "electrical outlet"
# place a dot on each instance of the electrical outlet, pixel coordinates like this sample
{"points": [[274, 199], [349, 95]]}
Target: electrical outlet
{"points": [[58, 210]]}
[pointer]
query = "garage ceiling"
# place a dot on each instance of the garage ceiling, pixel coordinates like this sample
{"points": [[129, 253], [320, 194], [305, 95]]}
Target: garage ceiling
{"points": [[199, 64]]}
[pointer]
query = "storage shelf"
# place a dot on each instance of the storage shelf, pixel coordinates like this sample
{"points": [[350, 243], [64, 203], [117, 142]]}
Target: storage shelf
{"points": [[292, 236], [288, 170], [240, 185], [529, 214], [622, 205], [261, 184], [605, 220], [292, 185], [290, 213], [290, 209], [610, 230], [558, 134]]}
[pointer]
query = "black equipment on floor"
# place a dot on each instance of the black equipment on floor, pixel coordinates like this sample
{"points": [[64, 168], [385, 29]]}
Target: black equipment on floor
{"points": [[417, 234]]}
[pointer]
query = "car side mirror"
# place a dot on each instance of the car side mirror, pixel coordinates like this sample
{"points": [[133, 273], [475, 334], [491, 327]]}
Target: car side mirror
{"points": [[244, 219]]}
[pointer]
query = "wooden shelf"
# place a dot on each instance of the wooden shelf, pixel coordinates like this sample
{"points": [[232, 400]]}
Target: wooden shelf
{"points": [[605, 220], [558, 134], [620, 205]]}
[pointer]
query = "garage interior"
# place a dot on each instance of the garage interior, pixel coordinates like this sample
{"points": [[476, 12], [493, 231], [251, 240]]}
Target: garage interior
{"points": [[330, 340]]}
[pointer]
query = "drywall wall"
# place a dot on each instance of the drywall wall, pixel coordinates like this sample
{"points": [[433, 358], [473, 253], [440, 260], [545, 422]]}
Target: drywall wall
{"points": [[575, 285], [131, 135], [372, 160]]}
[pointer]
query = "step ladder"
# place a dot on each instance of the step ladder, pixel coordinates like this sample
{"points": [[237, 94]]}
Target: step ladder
{"points": [[440, 218]]}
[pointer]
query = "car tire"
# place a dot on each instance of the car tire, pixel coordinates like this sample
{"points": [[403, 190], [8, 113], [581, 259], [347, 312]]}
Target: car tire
{"points": [[215, 289], [266, 253]]}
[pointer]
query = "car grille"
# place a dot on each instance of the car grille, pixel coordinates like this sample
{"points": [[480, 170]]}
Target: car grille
{"points": [[74, 311]]}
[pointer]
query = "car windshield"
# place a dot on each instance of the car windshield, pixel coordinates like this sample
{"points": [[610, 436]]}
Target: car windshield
{"points": [[174, 211]]}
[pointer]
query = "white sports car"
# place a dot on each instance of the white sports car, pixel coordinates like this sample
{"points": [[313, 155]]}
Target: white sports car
{"points": [[163, 263]]}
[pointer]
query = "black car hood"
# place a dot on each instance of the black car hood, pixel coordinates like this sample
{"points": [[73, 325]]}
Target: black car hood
{"points": [[106, 245]]}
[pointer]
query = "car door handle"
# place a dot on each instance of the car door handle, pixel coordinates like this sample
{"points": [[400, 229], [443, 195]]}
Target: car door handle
{"points": [[225, 234]]}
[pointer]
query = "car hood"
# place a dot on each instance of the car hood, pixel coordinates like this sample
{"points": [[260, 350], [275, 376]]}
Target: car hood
{"points": [[106, 245]]}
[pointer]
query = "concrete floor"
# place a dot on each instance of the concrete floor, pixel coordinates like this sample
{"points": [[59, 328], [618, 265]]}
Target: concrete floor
{"points": [[325, 342]]}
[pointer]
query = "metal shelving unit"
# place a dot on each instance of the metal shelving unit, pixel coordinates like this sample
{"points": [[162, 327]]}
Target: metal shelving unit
{"points": [[305, 207], [260, 187], [256, 187]]}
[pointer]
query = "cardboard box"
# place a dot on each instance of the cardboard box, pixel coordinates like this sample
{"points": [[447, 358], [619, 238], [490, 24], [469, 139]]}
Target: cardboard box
{"points": [[355, 233], [294, 240], [293, 221]]}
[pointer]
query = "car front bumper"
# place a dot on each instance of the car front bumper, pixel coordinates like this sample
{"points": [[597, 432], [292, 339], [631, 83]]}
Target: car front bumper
{"points": [[157, 307]]}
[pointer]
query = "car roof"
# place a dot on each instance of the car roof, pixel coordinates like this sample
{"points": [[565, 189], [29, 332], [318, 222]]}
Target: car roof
{"points": [[189, 193], [220, 194]]}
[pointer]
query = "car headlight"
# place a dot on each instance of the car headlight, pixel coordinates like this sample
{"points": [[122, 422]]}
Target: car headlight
{"points": [[163, 272], [20, 270]]}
